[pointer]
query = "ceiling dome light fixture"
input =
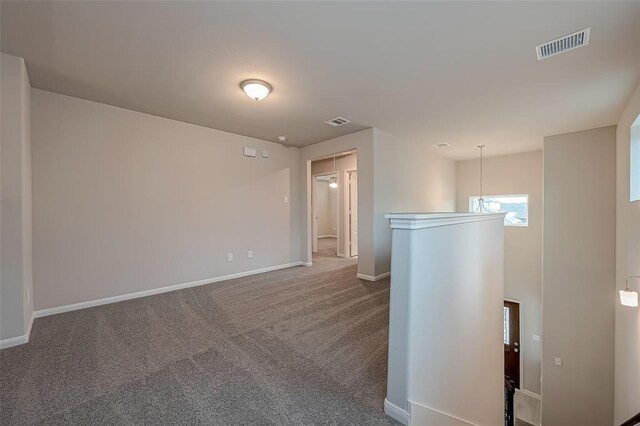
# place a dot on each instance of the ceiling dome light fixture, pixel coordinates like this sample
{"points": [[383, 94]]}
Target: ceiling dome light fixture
{"points": [[256, 89]]}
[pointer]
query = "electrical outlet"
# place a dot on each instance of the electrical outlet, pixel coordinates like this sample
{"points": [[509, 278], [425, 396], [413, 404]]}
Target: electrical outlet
{"points": [[229, 257], [286, 199], [558, 361], [536, 338], [250, 254]]}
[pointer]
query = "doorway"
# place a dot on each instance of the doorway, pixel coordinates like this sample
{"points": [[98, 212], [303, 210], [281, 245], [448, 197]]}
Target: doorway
{"points": [[512, 349], [333, 183], [325, 215]]}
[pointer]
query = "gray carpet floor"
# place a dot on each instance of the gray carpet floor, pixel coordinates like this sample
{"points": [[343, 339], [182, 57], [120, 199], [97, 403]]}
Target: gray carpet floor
{"points": [[299, 346]]}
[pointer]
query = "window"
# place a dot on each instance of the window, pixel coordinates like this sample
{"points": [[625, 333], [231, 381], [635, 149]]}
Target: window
{"points": [[635, 161], [516, 207], [506, 326]]}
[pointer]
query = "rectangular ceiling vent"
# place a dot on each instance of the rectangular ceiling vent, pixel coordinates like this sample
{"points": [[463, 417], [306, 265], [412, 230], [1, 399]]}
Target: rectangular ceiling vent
{"points": [[442, 145], [337, 122], [563, 44]]}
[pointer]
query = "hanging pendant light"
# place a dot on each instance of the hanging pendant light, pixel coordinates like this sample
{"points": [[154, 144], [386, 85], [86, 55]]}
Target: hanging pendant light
{"points": [[333, 184], [481, 207], [629, 297]]}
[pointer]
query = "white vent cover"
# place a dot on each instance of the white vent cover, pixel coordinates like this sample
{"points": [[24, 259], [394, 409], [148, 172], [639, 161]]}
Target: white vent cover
{"points": [[337, 122], [563, 44], [442, 145]]}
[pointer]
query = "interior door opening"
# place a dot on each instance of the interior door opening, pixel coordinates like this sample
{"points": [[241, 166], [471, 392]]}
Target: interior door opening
{"points": [[325, 215], [333, 208]]}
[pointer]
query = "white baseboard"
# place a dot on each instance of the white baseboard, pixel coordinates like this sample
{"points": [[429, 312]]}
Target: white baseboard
{"points": [[374, 278], [423, 415], [327, 236], [396, 412], [18, 340], [129, 296], [306, 263], [14, 341]]}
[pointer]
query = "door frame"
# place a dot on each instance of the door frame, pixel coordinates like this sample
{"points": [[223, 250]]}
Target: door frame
{"points": [[314, 221], [521, 360], [347, 216]]}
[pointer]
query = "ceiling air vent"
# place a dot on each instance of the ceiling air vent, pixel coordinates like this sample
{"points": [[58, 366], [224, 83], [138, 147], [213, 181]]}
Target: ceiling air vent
{"points": [[563, 44], [442, 145], [337, 122]]}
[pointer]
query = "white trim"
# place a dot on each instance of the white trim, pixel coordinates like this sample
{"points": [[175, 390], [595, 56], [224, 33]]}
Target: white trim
{"points": [[373, 278], [306, 263], [14, 341], [432, 220], [138, 294], [33, 316], [439, 413], [18, 340], [531, 394], [396, 412], [327, 236]]}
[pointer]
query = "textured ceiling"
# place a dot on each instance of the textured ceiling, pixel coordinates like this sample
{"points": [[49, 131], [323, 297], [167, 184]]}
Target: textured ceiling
{"points": [[462, 73]]}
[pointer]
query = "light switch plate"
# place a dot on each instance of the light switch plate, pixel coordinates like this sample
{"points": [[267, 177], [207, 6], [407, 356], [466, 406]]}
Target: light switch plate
{"points": [[558, 361], [250, 254], [265, 154], [536, 338], [249, 152], [229, 257]]}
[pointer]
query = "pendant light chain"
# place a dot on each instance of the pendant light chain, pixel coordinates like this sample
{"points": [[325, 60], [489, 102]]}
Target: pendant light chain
{"points": [[481, 208]]}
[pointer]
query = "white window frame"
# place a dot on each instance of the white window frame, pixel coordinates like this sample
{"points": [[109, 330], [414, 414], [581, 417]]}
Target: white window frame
{"points": [[473, 198]]}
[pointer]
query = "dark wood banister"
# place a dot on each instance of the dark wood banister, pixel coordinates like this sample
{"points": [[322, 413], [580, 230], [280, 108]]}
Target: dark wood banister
{"points": [[632, 421]]}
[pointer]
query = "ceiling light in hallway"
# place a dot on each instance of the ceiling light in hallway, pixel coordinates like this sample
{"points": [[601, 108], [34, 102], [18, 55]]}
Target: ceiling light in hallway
{"points": [[334, 178], [256, 89]]}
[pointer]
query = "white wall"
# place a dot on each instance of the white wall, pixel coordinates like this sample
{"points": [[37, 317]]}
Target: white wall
{"points": [[393, 175], [15, 251], [579, 277], [408, 178], [445, 326], [516, 174], [627, 341], [327, 221], [126, 202]]}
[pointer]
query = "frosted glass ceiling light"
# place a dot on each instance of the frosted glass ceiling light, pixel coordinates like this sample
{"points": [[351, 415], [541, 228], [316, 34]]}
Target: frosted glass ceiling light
{"points": [[256, 89], [629, 297], [334, 178]]}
